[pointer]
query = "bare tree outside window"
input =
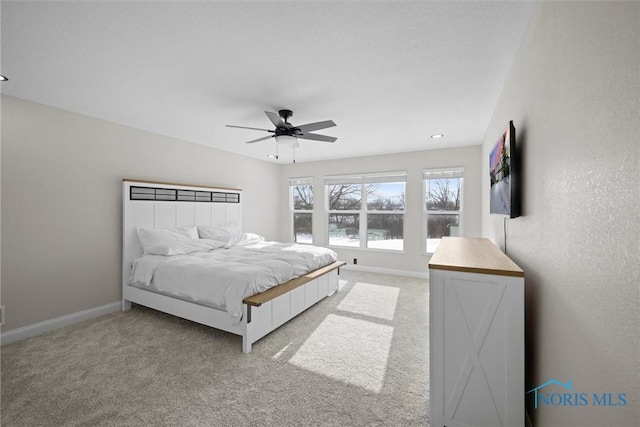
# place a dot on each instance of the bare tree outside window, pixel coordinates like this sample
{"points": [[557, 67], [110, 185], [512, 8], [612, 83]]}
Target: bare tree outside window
{"points": [[442, 207], [303, 197], [382, 203], [345, 197], [442, 195], [303, 201]]}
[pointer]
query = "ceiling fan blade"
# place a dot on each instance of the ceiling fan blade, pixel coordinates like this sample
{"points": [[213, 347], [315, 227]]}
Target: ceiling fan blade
{"points": [[316, 137], [245, 127], [259, 139], [310, 127], [275, 119]]}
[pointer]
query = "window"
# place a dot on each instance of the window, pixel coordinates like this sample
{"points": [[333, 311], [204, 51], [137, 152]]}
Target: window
{"points": [[367, 211], [443, 189], [301, 202], [345, 202]]}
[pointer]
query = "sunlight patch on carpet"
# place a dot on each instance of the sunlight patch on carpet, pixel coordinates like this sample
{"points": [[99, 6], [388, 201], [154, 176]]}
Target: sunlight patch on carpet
{"points": [[350, 350], [371, 300], [281, 352]]}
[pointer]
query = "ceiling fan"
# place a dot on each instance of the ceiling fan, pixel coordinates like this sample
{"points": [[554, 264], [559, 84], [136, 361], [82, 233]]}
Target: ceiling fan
{"points": [[286, 132]]}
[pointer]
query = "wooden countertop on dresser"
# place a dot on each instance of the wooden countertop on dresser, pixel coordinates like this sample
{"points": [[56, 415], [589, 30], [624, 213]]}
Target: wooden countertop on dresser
{"points": [[473, 255]]}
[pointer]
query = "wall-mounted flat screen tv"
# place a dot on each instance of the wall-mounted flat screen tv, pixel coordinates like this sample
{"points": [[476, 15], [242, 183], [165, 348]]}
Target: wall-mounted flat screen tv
{"points": [[504, 197]]}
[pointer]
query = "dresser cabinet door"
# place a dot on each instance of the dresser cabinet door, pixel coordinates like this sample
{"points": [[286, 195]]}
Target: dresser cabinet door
{"points": [[476, 349]]}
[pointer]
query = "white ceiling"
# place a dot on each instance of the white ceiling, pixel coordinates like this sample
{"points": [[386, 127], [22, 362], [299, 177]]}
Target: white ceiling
{"points": [[389, 73]]}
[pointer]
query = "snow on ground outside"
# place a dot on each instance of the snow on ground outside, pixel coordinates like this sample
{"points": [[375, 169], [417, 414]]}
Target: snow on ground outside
{"points": [[392, 244]]}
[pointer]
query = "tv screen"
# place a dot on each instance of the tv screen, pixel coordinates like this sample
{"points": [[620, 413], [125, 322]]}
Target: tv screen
{"points": [[503, 170]]}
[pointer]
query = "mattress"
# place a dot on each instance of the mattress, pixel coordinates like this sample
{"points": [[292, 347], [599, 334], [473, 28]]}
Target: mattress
{"points": [[223, 277]]}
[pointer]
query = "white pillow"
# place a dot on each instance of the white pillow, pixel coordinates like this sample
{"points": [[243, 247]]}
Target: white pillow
{"points": [[184, 247], [150, 237], [228, 234]]}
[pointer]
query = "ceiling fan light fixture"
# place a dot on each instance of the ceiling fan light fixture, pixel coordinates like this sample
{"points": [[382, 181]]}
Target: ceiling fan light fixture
{"points": [[286, 139], [3, 78]]}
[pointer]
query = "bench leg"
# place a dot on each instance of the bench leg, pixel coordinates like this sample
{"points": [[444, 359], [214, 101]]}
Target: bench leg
{"points": [[246, 345]]}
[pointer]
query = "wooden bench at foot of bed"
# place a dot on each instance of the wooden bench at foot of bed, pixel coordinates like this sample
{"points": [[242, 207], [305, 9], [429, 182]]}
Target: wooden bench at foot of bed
{"points": [[268, 310], [258, 299]]}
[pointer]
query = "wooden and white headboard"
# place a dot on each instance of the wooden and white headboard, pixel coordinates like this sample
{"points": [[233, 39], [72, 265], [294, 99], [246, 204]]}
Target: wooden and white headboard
{"points": [[151, 204]]}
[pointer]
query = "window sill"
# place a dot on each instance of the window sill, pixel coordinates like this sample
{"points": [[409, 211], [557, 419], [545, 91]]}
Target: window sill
{"points": [[355, 248]]}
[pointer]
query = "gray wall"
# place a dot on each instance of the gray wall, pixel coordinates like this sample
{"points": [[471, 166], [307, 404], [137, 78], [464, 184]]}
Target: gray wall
{"points": [[412, 260], [62, 203], [573, 95]]}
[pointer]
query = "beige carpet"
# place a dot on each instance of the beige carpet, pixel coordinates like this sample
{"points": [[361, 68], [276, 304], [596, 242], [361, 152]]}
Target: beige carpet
{"points": [[357, 358]]}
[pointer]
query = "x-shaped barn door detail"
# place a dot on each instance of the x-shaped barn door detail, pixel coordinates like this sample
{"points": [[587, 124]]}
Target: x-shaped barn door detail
{"points": [[474, 344]]}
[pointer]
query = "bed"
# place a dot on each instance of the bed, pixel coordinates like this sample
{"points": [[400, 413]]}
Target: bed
{"points": [[275, 281]]}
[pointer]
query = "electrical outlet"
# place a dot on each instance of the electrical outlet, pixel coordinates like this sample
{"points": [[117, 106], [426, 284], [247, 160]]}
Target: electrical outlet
{"points": [[355, 261]]}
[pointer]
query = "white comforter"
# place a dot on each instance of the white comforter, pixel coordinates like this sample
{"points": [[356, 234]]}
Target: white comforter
{"points": [[224, 277]]}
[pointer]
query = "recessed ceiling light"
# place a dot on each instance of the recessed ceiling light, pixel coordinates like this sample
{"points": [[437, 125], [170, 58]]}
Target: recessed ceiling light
{"points": [[271, 156], [3, 78], [437, 136]]}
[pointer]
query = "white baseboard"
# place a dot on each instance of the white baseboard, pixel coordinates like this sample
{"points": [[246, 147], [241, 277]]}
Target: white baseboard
{"points": [[416, 274], [59, 322]]}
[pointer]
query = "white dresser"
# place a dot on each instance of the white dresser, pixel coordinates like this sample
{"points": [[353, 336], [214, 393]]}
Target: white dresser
{"points": [[476, 342]]}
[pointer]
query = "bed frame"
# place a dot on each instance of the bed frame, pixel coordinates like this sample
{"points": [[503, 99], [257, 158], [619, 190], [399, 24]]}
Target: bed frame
{"points": [[151, 204]]}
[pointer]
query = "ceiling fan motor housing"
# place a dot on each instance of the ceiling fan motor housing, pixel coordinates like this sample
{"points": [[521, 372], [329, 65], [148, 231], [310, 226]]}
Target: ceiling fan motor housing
{"points": [[288, 129], [285, 114]]}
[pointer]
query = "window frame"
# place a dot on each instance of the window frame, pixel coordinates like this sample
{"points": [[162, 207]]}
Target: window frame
{"points": [[363, 213], [299, 182], [444, 173]]}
